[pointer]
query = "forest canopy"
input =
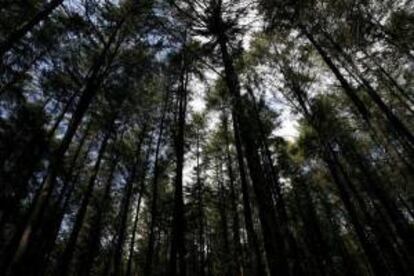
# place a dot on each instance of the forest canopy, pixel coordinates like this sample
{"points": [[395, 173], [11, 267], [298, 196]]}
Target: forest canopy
{"points": [[206, 137]]}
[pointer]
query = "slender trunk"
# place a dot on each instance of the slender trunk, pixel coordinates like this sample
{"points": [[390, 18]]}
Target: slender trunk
{"points": [[93, 82], [154, 201], [377, 263], [237, 248], [394, 121], [50, 231], [23, 30], [344, 83], [350, 264], [200, 208], [61, 116], [256, 256], [94, 237], [342, 182], [373, 186], [226, 257], [69, 251], [126, 202], [273, 174], [313, 232], [178, 242], [137, 210], [274, 244]]}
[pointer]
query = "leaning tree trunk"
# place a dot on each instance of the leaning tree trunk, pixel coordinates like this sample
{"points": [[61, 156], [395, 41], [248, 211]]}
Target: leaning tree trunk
{"points": [[362, 109], [50, 229], [93, 82], [394, 121], [341, 181], [376, 261]]}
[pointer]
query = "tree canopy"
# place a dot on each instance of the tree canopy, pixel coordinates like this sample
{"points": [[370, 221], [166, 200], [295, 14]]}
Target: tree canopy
{"points": [[206, 137]]}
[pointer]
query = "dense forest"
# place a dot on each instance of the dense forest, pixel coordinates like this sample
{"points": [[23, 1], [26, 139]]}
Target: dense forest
{"points": [[206, 137]]}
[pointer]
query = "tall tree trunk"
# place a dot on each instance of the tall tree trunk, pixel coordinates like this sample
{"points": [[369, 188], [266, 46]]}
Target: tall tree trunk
{"points": [[23, 30], [344, 83], [95, 234], [394, 121], [93, 82], [50, 229], [273, 176], [137, 210], [376, 261], [154, 200], [126, 202], [69, 250], [178, 235], [201, 234], [61, 116], [313, 233], [274, 244], [344, 187], [350, 264], [256, 256], [226, 257], [237, 248]]}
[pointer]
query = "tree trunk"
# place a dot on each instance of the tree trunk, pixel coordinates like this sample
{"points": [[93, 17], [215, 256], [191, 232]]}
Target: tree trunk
{"points": [[256, 256], [377, 263], [50, 230], [69, 251], [93, 82], [237, 248], [126, 202], [342, 182], [226, 257], [178, 235], [274, 244], [94, 237], [154, 201], [201, 240], [273, 175], [344, 83], [394, 121], [137, 210]]}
